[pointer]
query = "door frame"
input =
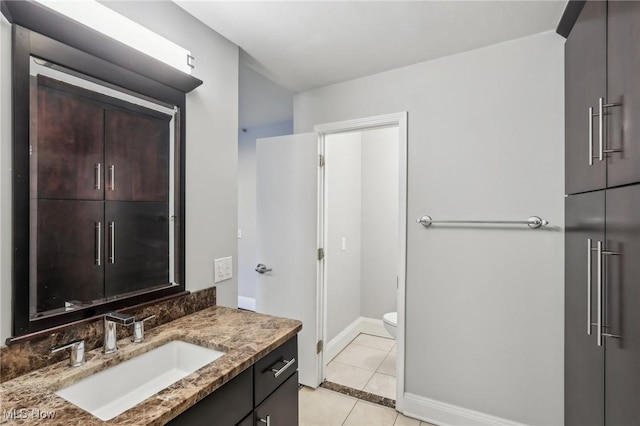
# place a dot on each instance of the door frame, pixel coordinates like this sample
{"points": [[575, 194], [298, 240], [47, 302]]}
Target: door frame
{"points": [[362, 124]]}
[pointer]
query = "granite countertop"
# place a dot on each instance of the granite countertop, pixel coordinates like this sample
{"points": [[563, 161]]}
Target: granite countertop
{"points": [[244, 336]]}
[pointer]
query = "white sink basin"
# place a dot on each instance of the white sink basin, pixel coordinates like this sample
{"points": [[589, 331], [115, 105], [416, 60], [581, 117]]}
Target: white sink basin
{"points": [[113, 391]]}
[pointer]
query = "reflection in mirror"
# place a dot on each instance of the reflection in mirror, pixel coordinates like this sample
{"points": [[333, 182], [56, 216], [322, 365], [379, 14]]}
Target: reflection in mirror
{"points": [[103, 182]]}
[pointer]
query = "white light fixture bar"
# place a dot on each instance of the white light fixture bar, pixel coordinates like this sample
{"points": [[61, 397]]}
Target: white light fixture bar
{"points": [[110, 23]]}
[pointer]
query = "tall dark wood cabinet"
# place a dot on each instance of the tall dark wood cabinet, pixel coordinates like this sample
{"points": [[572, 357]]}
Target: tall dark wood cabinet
{"points": [[584, 360], [623, 88], [586, 71], [602, 226], [100, 175], [602, 97]]}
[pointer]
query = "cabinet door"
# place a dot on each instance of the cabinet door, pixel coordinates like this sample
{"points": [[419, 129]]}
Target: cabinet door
{"points": [[247, 421], [623, 122], [585, 82], [69, 252], [226, 406], [70, 145], [622, 367], [136, 157], [137, 246], [281, 406], [584, 360]]}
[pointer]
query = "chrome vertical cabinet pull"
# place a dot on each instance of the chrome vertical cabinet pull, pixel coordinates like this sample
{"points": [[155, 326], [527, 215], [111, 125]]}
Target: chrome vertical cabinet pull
{"points": [[112, 242], [266, 420], [599, 280], [591, 136], [601, 114], [606, 252], [589, 279], [600, 129], [98, 230], [112, 177], [98, 180]]}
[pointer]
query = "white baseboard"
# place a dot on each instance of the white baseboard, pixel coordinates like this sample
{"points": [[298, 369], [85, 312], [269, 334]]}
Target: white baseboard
{"points": [[247, 303], [361, 325], [443, 414]]}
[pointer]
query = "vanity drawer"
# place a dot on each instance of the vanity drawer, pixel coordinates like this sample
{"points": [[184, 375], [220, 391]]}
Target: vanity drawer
{"points": [[275, 368], [281, 407]]}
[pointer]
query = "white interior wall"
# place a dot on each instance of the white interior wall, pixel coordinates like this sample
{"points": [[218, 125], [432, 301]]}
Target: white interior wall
{"points": [[247, 201], [212, 148], [379, 222], [484, 306], [5, 179], [343, 201]]}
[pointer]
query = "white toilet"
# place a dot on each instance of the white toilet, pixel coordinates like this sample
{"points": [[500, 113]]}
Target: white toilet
{"points": [[390, 321]]}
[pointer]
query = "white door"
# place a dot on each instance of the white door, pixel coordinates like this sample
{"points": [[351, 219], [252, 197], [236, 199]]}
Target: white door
{"points": [[287, 242]]}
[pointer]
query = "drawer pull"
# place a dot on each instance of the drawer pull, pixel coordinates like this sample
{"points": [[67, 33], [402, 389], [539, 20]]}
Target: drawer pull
{"points": [[287, 364], [267, 421]]}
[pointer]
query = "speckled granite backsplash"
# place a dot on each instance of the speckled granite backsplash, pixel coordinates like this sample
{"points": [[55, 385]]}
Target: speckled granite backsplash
{"points": [[24, 357]]}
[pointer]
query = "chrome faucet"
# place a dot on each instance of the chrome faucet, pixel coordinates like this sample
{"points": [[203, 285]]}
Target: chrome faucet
{"points": [[111, 320]]}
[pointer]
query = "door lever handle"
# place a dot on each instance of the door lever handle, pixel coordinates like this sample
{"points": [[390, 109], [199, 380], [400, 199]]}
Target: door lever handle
{"points": [[262, 268]]}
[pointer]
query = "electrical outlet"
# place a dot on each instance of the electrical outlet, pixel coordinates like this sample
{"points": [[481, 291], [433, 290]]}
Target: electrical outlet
{"points": [[239, 233], [222, 269]]}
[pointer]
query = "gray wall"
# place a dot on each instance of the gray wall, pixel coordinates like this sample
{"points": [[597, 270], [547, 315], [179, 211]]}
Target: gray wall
{"points": [[379, 222], [212, 148], [247, 201], [484, 306], [265, 110], [261, 101], [343, 213]]}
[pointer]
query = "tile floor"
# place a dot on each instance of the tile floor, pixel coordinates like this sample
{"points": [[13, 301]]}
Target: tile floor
{"points": [[368, 363], [322, 407]]}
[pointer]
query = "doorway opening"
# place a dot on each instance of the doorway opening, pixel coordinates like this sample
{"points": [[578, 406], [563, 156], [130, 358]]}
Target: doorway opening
{"points": [[290, 240], [362, 227]]}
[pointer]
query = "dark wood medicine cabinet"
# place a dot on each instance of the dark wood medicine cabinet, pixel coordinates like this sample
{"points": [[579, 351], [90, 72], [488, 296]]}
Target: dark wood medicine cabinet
{"points": [[98, 172]]}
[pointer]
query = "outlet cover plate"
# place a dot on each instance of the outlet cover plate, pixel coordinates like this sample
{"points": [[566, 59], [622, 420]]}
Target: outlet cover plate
{"points": [[222, 269]]}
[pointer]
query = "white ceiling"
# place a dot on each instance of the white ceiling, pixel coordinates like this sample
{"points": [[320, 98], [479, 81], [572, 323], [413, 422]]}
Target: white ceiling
{"points": [[301, 45]]}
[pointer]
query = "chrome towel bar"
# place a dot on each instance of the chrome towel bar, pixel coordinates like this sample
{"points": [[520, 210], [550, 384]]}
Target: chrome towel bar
{"points": [[533, 222]]}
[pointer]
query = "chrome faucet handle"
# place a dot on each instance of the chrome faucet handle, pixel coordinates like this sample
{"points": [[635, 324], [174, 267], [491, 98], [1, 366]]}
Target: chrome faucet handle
{"points": [[138, 329], [76, 358]]}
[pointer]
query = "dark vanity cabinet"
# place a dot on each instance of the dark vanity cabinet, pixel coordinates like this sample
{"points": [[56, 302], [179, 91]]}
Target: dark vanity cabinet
{"points": [[264, 394], [602, 216], [100, 182], [602, 97]]}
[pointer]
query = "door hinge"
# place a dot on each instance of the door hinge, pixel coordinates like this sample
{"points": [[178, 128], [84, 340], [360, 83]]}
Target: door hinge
{"points": [[322, 161], [30, 149], [320, 254], [319, 346]]}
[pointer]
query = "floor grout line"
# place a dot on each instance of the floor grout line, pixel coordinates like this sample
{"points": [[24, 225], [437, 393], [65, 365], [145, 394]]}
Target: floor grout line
{"points": [[349, 413]]}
